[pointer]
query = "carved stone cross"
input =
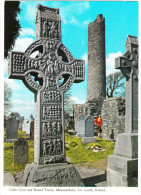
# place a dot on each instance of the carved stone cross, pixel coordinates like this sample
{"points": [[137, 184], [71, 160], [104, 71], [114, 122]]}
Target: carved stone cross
{"points": [[122, 166], [128, 64], [41, 74]]}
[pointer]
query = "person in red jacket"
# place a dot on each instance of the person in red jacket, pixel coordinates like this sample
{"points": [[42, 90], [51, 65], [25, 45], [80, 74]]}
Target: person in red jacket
{"points": [[98, 122]]}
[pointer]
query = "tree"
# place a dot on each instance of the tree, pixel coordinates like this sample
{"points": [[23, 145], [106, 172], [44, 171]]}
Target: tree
{"points": [[7, 98], [15, 115], [67, 95], [68, 103], [115, 85], [12, 25]]}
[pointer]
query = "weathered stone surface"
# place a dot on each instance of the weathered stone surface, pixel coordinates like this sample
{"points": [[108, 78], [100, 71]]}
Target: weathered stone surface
{"points": [[129, 145], [96, 76], [113, 117], [11, 129], [52, 63], [122, 166], [9, 180], [61, 174], [116, 179], [81, 126], [89, 127], [20, 151]]}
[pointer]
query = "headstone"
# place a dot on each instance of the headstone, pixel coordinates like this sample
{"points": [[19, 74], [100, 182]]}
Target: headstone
{"points": [[52, 63], [26, 126], [20, 151], [123, 165], [81, 126], [32, 130], [11, 129], [89, 127]]}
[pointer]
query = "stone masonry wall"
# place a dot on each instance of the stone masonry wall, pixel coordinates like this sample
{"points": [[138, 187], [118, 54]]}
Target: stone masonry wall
{"points": [[113, 117]]}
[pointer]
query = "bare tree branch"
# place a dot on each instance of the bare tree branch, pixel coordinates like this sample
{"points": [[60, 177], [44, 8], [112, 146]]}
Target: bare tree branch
{"points": [[7, 97], [115, 85]]}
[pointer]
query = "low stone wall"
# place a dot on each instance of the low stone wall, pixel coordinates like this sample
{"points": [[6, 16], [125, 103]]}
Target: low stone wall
{"points": [[113, 117]]}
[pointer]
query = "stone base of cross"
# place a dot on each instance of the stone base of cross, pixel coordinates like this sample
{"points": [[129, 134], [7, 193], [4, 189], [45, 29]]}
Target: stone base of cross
{"points": [[52, 63]]}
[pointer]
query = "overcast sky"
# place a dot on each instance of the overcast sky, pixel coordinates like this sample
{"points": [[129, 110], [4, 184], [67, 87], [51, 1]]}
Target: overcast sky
{"points": [[121, 19]]}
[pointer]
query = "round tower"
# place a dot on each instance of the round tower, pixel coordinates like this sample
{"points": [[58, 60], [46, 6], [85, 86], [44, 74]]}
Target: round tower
{"points": [[96, 76]]}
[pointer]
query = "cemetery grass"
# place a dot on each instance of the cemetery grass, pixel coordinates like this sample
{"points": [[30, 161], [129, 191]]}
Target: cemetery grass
{"points": [[83, 153], [78, 153], [9, 166]]}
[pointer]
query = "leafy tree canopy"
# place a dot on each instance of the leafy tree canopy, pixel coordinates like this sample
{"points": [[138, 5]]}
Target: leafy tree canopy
{"points": [[12, 25]]}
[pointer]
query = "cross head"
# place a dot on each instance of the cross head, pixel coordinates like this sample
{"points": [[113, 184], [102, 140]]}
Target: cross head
{"points": [[128, 64]]}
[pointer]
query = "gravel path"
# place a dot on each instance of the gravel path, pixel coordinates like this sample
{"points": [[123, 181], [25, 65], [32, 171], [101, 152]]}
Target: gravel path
{"points": [[91, 177]]}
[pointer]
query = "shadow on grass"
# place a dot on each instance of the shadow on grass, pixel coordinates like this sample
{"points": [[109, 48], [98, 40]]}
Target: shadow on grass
{"points": [[92, 181]]}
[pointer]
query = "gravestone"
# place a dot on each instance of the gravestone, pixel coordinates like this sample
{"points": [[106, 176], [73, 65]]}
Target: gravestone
{"points": [[123, 165], [81, 126], [11, 129], [52, 63], [26, 126], [89, 129], [32, 130], [20, 151]]}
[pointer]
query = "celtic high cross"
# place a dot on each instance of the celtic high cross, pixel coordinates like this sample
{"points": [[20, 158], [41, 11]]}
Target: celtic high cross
{"points": [[128, 64], [41, 74]]}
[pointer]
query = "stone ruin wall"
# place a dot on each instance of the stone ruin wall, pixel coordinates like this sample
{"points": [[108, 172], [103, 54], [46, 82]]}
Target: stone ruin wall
{"points": [[113, 117], [112, 112]]}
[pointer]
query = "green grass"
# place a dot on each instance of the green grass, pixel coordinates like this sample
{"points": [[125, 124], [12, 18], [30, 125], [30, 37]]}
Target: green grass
{"points": [[9, 166], [74, 148], [78, 153]]}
